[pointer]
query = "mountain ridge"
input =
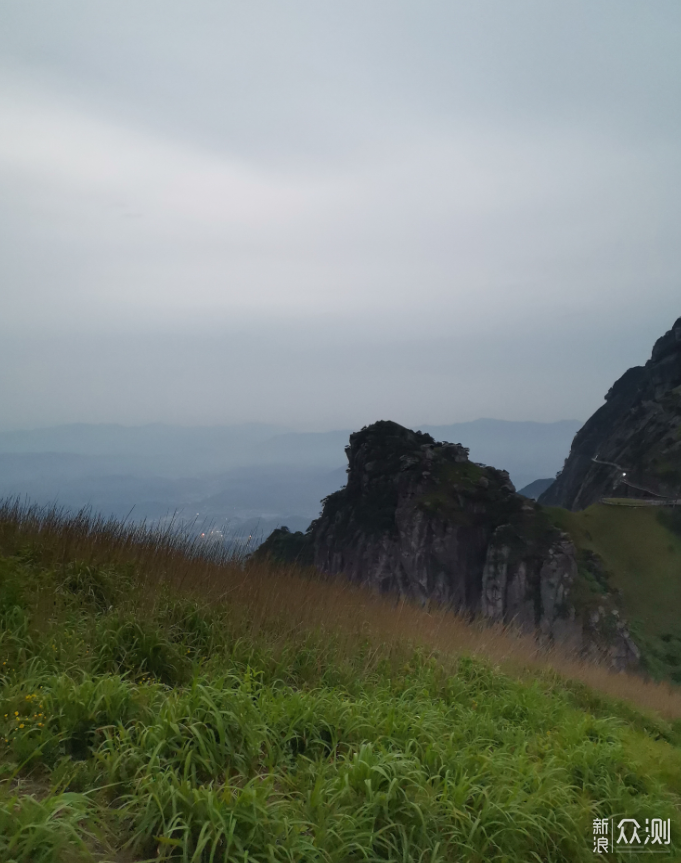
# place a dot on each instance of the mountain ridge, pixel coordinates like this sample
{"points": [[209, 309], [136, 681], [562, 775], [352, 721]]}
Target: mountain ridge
{"points": [[633, 440]]}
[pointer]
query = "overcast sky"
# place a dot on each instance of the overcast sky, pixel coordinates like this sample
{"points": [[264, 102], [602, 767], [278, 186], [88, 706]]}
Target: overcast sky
{"points": [[326, 213]]}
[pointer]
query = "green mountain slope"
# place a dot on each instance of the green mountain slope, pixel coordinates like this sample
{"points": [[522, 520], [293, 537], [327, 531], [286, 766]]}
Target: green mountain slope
{"points": [[139, 723], [640, 557]]}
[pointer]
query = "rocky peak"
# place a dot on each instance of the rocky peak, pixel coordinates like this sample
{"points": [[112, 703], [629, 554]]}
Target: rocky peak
{"points": [[417, 518], [386, 448], [668, 345], [631, 446]]}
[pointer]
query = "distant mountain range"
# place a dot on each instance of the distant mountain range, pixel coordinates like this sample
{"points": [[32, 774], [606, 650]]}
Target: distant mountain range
{"points": [[239, 478]]}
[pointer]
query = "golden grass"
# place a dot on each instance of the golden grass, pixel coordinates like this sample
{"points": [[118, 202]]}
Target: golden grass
{"points": [[289, 600], [285, 598]]}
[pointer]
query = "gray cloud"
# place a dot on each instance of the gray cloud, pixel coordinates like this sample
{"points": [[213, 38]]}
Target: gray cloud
{"points": [[320, 214]]}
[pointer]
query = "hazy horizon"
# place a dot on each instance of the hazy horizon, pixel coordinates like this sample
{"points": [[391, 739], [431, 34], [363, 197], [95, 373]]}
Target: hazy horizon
{"points": [[278, 428], [233, 474], [319, 215]]}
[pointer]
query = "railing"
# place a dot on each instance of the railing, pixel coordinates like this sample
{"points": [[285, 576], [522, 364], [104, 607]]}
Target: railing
{"points": [[639, 501], [664, 500]]}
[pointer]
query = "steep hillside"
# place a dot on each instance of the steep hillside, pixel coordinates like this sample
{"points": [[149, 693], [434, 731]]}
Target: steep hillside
{"points": [[634, 440], [632, 556]]}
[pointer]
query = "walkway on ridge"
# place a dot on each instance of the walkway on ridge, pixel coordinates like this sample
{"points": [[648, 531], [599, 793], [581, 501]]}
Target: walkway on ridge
{"points": [[634, 501]]}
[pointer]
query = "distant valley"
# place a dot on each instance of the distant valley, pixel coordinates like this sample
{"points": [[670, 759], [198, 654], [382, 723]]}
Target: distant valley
{"points": [[234, 480]]}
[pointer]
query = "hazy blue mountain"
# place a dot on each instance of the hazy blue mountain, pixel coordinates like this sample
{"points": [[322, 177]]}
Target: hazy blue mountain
{"points": [[245, 499], [97, 439], [313, 448], [285, 489], [238, 475], [156, 448], [534, 489]]}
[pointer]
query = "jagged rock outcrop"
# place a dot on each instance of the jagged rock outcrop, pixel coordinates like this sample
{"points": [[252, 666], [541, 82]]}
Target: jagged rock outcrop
{"points": [[418, 519], [636, 432]]}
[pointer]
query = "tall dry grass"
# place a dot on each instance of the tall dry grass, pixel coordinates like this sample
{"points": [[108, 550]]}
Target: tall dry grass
{"points": [[288, 600]]}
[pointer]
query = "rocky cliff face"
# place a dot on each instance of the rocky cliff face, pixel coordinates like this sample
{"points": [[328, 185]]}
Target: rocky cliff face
{"points": [[418, 519], [637, 432]]}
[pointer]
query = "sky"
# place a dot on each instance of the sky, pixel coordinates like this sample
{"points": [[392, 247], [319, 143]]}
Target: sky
{"points": [[322, 214]]}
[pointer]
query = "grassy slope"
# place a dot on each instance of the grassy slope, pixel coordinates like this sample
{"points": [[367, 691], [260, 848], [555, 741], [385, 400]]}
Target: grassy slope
{"points": [[642, 556], [138, 723]]}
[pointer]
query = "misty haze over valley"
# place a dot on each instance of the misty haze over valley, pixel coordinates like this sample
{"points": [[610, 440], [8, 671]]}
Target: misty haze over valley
{"points": [[235, 480]]}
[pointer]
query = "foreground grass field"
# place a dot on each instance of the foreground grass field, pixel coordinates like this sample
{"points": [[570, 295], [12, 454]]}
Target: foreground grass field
{"points": [[159, 702]]}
